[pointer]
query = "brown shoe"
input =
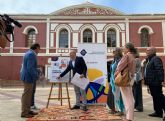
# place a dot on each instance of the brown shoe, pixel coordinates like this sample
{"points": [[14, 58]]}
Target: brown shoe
{"points": [[27, 116], [33, 113]]}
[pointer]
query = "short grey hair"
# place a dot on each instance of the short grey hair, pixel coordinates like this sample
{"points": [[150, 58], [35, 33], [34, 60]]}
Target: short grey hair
{"points": [[73, 51], [153, 49]]}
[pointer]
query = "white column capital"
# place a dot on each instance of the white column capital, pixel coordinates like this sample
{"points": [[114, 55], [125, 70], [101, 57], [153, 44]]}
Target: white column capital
{"points": [[47, 35], [163, 33], [126, 19], [11, 44], [127, 29]]}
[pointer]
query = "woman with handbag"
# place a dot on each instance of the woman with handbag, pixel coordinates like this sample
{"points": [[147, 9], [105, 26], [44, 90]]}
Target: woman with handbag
{"points": [[124, 78], [119, 105], [137, 87]]}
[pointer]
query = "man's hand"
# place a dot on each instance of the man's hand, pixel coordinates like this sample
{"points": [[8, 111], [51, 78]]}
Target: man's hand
{"points": [[143, 62], [81, 76], [163, 84], [58, 77]]}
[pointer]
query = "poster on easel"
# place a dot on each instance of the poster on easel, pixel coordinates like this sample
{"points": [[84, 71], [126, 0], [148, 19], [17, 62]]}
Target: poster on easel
{"points": [[58, 65], [95, 56]]}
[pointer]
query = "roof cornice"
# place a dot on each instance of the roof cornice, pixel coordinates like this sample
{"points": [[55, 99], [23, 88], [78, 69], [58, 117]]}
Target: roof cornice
{"points": [[44, 17]]}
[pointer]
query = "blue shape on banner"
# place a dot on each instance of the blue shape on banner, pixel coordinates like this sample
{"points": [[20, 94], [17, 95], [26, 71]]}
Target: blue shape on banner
{"points": [[93, 91], [97, 90], [83, 52], [55, 58]]}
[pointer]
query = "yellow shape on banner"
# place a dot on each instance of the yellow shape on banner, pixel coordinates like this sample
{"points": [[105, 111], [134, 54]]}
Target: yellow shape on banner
{"points": [[89, 94], [94, 73], [107, 87]]}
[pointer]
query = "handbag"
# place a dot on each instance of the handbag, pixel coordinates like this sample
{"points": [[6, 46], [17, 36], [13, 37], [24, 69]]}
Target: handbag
{"points": [[123, 78]]}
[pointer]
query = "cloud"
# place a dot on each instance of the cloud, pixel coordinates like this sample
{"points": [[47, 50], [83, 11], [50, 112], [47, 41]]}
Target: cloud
{"points": [[49, 6], [138, 6], [37, 6]]}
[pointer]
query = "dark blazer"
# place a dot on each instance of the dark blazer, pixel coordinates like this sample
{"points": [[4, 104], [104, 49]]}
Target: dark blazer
{"points": [[154, 71], [29, 72], [79, 67]]}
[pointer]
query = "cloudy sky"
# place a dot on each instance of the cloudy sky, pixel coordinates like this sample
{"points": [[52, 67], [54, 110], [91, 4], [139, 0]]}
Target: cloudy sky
{"points": [[48, 6]]}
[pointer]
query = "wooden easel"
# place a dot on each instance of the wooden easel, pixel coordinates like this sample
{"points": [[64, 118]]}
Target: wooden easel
{"points": [[59, 93]]}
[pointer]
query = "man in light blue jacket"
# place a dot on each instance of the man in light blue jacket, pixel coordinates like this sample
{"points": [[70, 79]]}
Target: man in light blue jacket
{"points": [[29, 74]]}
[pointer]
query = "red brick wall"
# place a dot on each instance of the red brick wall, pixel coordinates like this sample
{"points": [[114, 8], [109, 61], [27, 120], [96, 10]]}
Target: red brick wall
{"points": [[156, 38], [10, 66], [20, 37]]}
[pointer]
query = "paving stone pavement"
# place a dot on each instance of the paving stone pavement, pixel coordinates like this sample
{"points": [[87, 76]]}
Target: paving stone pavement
{"points": [[10, 103]]}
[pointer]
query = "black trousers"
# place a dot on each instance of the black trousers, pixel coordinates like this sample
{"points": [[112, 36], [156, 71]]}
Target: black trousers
{"points": [[110, 99], [33, 94], [137, 92], [158, 99]]}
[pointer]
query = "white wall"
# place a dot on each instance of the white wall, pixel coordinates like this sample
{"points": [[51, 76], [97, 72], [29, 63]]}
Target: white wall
{"points": [[75, 39], [99, 26], [99, 37], [52, 40], [122, 26], [123, 38], [53, 26], [75, 27]]}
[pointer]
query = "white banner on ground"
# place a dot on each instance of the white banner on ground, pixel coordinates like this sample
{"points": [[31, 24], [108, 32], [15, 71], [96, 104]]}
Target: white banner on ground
{"points": [[57, 67], [80, 82]]}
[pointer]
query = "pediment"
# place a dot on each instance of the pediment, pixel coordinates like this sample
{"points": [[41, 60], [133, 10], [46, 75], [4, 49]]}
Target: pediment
{"points": [[87, 9]]}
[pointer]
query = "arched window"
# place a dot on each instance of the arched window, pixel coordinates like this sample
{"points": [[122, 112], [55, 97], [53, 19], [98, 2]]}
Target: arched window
{"points": [[87, 36], [111, 38], [31, 37], [144, 37], [63, 38]]}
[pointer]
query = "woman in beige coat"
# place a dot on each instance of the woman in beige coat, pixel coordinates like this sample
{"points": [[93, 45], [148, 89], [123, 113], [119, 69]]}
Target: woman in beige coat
{"points": [[127, 94]]}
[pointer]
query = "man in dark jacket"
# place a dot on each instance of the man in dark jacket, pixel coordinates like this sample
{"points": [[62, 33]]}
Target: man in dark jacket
{"points": [[77, 64], [154, 76]]}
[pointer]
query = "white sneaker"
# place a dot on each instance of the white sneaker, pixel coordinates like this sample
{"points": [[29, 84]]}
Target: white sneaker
{"points": [[35, 107]]}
